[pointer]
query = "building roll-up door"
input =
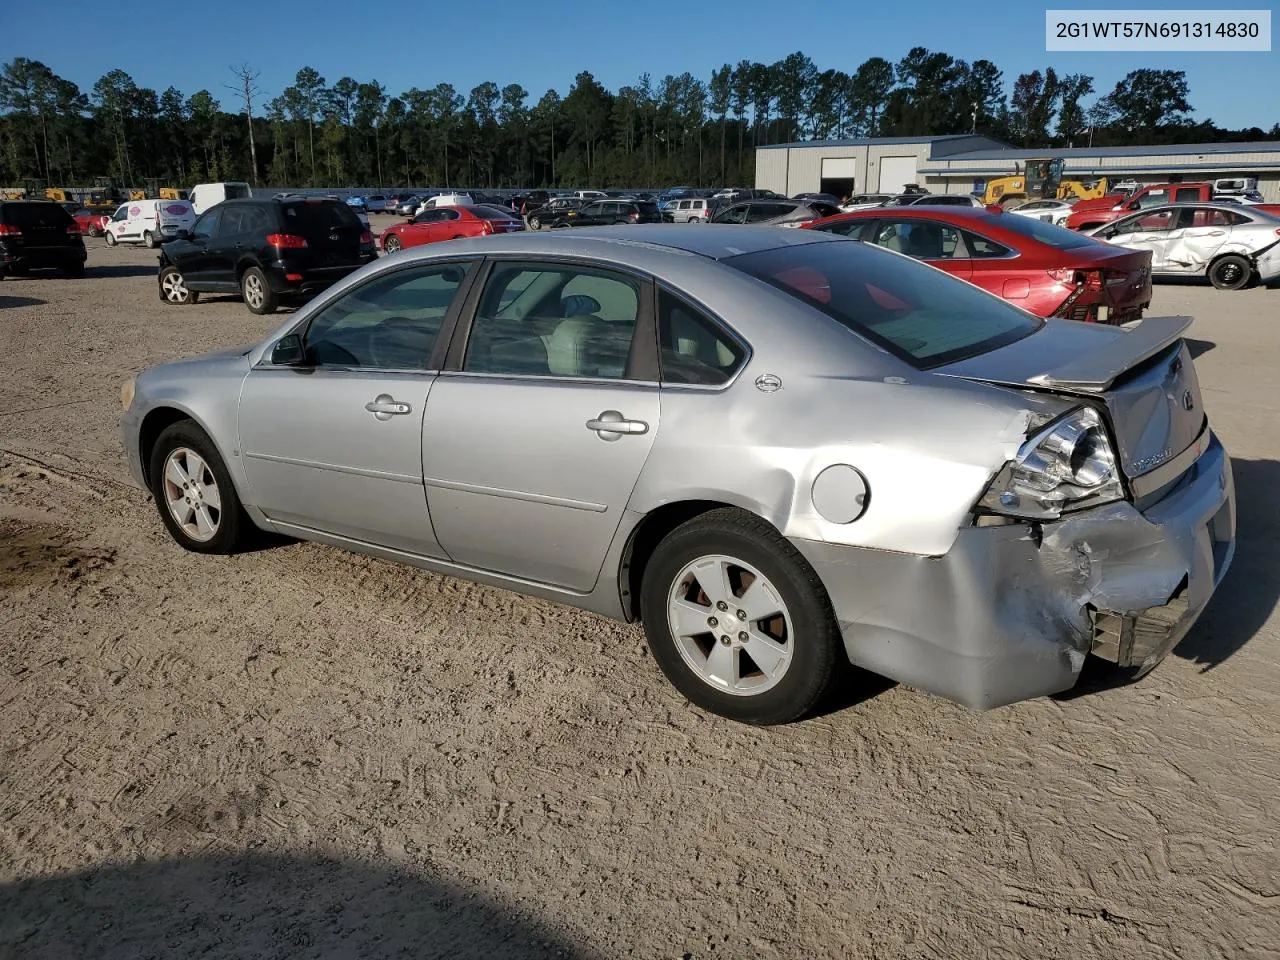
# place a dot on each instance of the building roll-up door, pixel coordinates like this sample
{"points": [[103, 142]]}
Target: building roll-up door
{"points": [[838, 176], [895, 172]]}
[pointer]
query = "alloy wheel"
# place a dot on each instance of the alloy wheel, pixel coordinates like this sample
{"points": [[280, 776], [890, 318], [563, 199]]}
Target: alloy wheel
{"points": [[175, 288], [191, 494], [730, 625], [253, 293]]}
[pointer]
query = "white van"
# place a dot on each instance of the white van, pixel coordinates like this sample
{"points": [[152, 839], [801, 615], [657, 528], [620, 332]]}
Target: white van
{"points": [[149, 222], [206, 195], [446, 200]]}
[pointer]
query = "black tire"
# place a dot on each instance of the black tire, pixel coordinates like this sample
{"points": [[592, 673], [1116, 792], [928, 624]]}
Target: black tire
{"points": [[233, 525], [111, 238], [816, 646], [535, 223], [94, 231], [391, 244], [191, 296], [149, 239], [263, 302], [1232, 272], [74, 270]]}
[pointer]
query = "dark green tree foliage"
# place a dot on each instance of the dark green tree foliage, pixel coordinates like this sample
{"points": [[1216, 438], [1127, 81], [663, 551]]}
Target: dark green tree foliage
{"points": [[673, 129]]}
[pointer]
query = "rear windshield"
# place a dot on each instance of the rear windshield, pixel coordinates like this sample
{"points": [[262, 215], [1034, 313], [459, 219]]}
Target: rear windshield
{"points": [[647, 207], [312, 217], [1046, 233], [36, 216], [489, 212], [918, 313]]}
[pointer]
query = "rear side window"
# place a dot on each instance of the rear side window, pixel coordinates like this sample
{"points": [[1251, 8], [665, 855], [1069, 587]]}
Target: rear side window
{"points": [[36, 216], [923, 316], [981, 248], [1186, 195], [314, 218], [237, 191], [693, 349]]}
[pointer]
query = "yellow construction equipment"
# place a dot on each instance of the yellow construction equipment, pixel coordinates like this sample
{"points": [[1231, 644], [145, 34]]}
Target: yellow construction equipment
{"points": [[57, 194], [154, 191], [1084, 189], [1038, 180]]}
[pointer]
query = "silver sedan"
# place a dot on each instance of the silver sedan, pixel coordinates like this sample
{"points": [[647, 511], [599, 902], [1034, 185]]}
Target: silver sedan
{"points": [[778, 449], [1229, 244]]}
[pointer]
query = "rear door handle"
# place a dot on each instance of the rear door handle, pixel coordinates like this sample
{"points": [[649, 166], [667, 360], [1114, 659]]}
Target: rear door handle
{"points": [[384, 407], [611, 425]]}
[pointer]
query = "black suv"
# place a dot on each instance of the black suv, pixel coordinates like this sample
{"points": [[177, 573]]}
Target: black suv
{"points": [[264, 250], [39, 233], [599, 212]]}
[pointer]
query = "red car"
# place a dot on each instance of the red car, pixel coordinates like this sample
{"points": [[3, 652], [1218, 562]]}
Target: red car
{"points": [[450, 223], [1047, 270], [91, 222]]}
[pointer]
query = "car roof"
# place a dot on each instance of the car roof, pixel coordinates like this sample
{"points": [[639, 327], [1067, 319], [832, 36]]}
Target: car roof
{"points": [[713, 241], [924, 211]]}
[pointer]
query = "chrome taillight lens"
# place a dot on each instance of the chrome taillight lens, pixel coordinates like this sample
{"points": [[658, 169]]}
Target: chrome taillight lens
{"points": [[1069, 465]]}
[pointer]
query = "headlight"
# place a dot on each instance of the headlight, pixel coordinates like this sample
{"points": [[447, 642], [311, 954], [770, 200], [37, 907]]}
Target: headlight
{"points": [[1068, 466], [126, 393]]}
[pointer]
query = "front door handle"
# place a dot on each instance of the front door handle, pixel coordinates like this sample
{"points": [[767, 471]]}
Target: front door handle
{"points": [[611, 425], [384, 407]]}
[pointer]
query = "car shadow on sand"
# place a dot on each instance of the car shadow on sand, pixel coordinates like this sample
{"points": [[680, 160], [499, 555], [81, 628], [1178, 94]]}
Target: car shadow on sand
{"points": [[7, 302], [251, 905], [1245, 599], [121, 270]]}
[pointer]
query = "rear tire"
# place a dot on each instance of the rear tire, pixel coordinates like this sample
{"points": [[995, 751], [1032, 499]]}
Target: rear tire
{"points": [[111, 238], [258, 295], [1232, 272], [535, 223], [197, 501], [780, 658], [149, 239]]}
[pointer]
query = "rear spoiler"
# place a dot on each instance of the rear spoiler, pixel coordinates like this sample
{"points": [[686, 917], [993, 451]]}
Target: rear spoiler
{"points": [[1096, 370]]}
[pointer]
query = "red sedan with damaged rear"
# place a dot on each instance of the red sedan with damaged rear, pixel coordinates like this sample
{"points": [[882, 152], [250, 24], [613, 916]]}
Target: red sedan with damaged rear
{"points": [[450, 223], [1047, 270]]}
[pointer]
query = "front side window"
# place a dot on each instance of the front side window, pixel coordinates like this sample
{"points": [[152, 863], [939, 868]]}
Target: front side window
{"points": [[1147, 223], [736, 214], [389, 323], [692, 347], [554, 320], [1154, 198], [924, 316], [205, 227], [593, 209], [121, 214]]}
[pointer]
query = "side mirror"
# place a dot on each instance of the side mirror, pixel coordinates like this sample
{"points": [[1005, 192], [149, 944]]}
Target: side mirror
{"points": [[288, 351]]}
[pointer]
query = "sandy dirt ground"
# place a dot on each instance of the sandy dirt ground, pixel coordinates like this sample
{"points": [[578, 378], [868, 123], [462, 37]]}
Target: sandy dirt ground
{"points": [[298, 752]]}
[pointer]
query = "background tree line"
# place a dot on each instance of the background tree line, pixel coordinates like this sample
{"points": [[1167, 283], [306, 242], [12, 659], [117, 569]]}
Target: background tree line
{"points": [[679, 129]]}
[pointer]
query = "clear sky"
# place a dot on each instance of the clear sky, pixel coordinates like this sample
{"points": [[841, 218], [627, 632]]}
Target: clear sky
{"points": [[403, 43]]}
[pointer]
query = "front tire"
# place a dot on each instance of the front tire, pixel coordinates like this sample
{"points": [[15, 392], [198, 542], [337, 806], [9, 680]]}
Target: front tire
{"points": [[1232, 272], [197, 502], [111, 238], [258, 295], [738, 620], [173, 287], [391, 245]]}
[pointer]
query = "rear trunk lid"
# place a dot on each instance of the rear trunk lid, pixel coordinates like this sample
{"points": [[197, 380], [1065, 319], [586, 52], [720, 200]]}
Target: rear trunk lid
{"points": [[41, 225], [1142, 373], [1123, 278], [331, 228]]}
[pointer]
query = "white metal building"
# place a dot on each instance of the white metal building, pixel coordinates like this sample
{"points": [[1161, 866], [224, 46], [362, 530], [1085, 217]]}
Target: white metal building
{"points": [[964, 163]]}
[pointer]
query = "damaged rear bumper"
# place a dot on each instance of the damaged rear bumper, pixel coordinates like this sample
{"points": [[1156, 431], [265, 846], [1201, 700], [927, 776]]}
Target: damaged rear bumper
{"points": [[1008, 614]]}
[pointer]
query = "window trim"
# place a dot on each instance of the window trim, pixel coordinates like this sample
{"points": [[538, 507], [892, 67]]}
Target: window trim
{"points": [[642, 358], [748, 353], [438, 350]]}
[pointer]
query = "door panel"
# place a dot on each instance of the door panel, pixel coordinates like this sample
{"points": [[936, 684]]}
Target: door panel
{"points": [[316, 456], [516, 481]]}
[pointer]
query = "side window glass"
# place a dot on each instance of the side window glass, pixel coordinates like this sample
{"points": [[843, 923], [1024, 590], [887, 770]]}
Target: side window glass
{"points": [[554, 320], [982, 248], [1153, 199], [853, 229], [1186, 195], [921, 239], [390, 323], [592, 209], [232, 222], [204, 227], [692, 348], [1155, 222]]}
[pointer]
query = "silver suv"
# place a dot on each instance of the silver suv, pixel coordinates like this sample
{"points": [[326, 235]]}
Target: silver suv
{"points": [[690, 210]]}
